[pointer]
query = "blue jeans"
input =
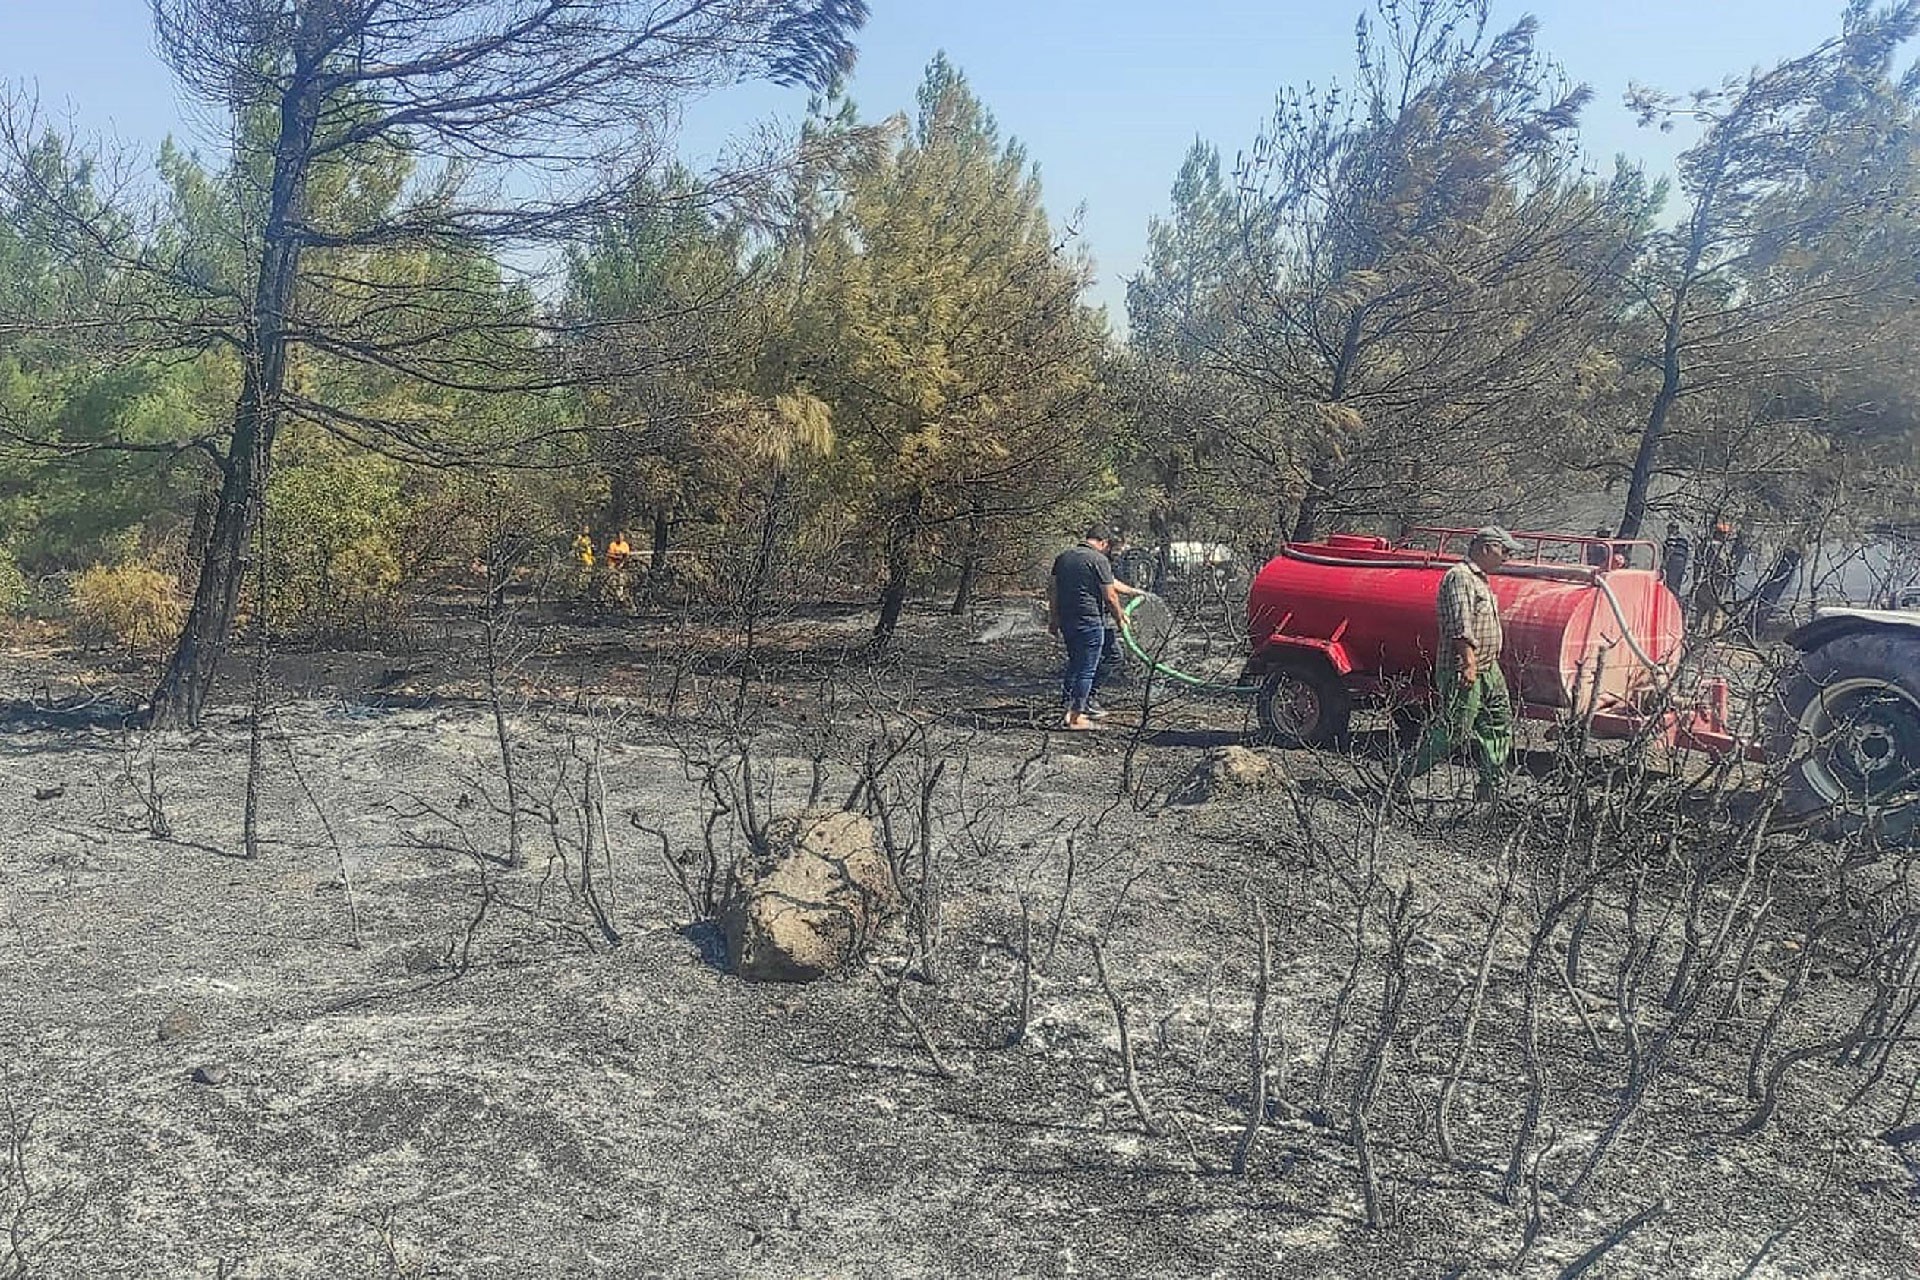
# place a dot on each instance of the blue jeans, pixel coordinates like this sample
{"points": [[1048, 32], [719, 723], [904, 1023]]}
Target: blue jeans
{"points": [[1084, 638]]}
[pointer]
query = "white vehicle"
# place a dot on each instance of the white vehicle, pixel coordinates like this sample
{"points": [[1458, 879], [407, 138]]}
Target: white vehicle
{"points": [[1186, 557]]}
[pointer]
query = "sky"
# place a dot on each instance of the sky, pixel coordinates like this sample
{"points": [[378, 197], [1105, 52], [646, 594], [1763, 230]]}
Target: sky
{"points": [[1105, 95]]}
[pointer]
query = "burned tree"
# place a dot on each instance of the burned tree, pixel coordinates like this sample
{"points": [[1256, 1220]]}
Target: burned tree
{"points": [[1774, 271], [1423, 262], [387, 157], [963, 362]]}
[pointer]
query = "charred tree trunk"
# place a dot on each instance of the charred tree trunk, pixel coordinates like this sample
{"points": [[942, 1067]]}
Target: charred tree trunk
{"points": [[662, 528], [902, 536], [183, 688], [200, 531], [1321, 476], [759, 575], [1306, 521], [970, 564], [963, 594], [1773, 587], [620, 500], [1641, 478]]}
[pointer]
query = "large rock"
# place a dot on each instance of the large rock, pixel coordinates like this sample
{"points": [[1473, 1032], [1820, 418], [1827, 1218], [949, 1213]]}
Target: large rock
{"points": [[1229, 771], [810, 900]]}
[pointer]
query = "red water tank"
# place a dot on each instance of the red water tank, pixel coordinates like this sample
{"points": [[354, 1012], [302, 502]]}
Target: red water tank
{"points": [[1368, 607]]}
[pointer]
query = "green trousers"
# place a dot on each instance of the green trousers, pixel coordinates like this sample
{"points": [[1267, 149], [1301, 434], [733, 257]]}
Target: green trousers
{"points": [[1480, 713]]}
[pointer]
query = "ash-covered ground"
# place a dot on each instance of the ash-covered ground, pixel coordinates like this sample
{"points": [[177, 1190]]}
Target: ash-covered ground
{"points": [[374, 1049]]}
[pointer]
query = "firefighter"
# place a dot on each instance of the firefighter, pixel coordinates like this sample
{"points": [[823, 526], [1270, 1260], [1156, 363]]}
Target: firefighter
{"points": [[1474, 705], [583, 547], [610, 588]]}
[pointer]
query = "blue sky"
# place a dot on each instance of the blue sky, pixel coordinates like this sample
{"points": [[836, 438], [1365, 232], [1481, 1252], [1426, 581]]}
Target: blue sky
{"points": [[1107, 95]]}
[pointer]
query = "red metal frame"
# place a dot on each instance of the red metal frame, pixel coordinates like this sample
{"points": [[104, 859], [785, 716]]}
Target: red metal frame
{"points": [[1700, 727], [1444, 534]]}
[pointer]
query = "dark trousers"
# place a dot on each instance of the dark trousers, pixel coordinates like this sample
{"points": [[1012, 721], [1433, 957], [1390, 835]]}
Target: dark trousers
{"points": [[1083, 640], [1113, 659]]}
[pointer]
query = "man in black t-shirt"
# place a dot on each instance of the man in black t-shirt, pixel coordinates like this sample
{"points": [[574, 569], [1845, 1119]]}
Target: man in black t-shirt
{"points": [[1081, 596]]}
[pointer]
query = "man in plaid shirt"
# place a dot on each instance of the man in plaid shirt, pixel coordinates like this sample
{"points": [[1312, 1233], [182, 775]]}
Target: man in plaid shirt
{"points": [[1474, 706]]}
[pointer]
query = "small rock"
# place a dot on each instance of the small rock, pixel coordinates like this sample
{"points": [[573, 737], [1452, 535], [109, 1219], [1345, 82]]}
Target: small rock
{"points": [[50, 793], [423, 958], [178, 1025], [212, 1073]]}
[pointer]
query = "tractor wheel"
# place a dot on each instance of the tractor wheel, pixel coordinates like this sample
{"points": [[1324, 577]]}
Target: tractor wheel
{"points": [[1303, 704], [1849, 734]]}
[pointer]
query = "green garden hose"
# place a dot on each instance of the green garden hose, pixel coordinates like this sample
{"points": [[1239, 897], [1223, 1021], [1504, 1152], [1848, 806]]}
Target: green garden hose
{"points": [[1196, 683]]}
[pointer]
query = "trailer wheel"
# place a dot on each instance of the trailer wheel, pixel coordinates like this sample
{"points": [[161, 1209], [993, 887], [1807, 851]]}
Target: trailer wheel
{"points": [[1849, 733], [1303, 704]]}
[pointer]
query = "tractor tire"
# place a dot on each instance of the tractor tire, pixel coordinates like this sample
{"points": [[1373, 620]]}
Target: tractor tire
{"points": [[1303, 704], [1848, 734]]}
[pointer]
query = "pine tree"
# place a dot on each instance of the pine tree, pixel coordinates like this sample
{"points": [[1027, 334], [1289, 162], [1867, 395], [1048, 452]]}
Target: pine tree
{"points": [[958, 357], [330, 102], [1719, 289], [1424, 265], [1188, 411]]}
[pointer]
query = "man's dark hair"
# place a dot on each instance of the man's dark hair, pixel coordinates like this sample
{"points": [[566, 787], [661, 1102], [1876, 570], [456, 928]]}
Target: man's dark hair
{"points": [[1098, 533]]}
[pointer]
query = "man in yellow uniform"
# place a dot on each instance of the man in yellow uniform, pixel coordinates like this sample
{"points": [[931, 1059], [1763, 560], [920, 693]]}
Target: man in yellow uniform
{"points": [[1473, 703]]}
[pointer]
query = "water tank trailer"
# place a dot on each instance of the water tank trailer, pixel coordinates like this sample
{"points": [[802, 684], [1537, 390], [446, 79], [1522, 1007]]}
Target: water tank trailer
{"points": [[1591, 633]]}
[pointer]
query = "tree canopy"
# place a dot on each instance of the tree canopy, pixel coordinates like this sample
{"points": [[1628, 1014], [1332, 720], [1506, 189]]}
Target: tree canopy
{"points": [[446, 276]]}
